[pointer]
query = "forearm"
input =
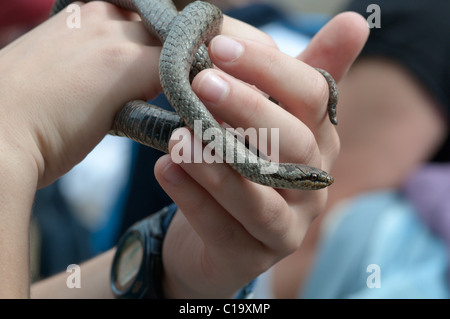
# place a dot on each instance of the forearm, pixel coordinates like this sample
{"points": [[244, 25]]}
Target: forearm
{"points": [[17, 188], [94, 281]]}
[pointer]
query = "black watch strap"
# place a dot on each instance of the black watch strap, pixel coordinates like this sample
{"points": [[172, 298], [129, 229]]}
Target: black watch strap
{"points": [[151, 231]]}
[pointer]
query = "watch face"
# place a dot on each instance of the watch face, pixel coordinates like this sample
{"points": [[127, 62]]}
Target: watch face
{"points": [[128, 262]]}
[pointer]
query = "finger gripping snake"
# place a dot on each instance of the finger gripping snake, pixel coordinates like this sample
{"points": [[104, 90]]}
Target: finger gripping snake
{"points": [[184, 55]]}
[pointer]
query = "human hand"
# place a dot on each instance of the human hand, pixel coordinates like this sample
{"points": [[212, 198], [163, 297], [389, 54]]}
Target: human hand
{"points": [[60, 88], [231, 229]]}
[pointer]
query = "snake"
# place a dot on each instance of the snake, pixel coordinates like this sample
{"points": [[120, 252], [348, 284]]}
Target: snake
{"points": [[184, 54]]}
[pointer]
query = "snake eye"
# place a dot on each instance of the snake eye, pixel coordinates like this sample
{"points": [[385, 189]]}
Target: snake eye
{"points": [[314, 177]]}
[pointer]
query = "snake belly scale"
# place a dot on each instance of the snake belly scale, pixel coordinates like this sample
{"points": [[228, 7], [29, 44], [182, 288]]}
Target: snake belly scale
{"points": [[183, 56]]}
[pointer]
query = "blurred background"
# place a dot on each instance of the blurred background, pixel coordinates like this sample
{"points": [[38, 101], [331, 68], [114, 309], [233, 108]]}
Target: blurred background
{"points": [[313, 6]]}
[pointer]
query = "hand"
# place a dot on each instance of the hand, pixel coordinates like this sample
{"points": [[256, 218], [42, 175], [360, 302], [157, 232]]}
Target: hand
{"points": [[231, 229], [60, 88], [59, 91]]}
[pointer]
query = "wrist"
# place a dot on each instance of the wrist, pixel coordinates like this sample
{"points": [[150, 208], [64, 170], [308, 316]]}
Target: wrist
{"points": [[18, 180], [137, 267], [20, 156], [19, 175]]}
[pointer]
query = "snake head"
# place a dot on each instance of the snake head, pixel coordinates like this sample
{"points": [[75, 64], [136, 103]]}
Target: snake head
{"points": [[308, 178], [317, 179], [298, 176]]}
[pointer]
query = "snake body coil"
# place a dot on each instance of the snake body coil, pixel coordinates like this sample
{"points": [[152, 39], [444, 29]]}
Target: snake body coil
{"points": [[183, 56]]}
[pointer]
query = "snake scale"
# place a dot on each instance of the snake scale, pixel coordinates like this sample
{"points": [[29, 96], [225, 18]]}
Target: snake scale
{"points": [[184, 55]]}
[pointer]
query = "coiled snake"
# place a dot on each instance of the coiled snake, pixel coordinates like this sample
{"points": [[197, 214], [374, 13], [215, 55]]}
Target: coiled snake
{"points": [[183, 56]]}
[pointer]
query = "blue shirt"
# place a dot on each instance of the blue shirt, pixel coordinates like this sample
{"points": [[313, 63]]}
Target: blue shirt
{"points": [[378, 248]]}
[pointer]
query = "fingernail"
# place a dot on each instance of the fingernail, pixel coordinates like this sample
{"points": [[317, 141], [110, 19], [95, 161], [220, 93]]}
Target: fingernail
{"points": [[226, 49], [173, 174], [213, 88]]}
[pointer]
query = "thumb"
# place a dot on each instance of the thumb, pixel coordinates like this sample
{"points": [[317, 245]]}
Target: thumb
{"points": [[336, 46]]}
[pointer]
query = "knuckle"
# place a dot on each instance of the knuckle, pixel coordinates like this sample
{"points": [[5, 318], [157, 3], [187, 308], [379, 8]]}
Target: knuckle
{"points": [[290, 245], [308, 151], [95, 9], [330, 150], [320, 94], [250, 112], [336, 146], [225, 234], [271, 61], [218, 182], [280, 230], [119, 54], [105, 30], [268, 40], [194, 206], [271, 217]]}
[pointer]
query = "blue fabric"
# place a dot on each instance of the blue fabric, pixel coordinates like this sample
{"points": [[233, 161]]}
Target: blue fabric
{"points": [[106, 237], [246, 292], [379, 229], [63, 239]]}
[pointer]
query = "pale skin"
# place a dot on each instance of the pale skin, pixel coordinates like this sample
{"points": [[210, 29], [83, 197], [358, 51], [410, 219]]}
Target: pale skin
{"points": [[60, 90]]}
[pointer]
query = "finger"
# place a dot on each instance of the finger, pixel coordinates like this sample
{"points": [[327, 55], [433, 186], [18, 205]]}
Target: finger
{"points": [[300, 88], [337, 44], [261, 210], [241, 106], [236, 28], [213, 224], [223, 235], [334, 49], [265, 124], [297, 86]]}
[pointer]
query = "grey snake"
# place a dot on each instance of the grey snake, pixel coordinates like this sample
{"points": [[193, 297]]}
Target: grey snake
{"points": [[184, 55]]}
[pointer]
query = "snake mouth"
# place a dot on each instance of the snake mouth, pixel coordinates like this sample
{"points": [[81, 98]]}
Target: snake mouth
{"points": [[318, 181], [329, 180]]}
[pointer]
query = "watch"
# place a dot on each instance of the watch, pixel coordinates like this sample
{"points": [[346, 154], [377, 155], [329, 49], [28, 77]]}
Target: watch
{"points": [[136, 270]]}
